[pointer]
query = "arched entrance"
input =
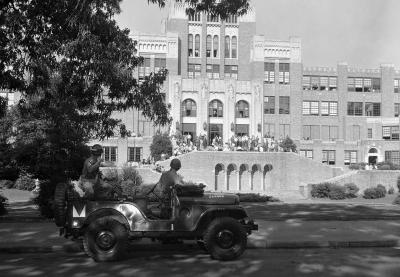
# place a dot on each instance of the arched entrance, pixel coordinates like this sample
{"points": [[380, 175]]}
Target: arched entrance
{"points": [[256, 177], [219, 177], [373, 156], [231, 176], [243, 177], [266, 176]]}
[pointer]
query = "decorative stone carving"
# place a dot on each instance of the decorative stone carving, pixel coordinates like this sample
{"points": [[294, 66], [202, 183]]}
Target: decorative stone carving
{"points": [[176, 91]]}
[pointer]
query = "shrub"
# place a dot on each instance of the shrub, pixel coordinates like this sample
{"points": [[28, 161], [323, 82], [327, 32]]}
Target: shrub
{"points": [[25, 182], [9, 173], [384, 167], [161, 145], [351, 190], [3, 204], [387, 166], [45, 199], [354, 166], [320, 190], [131, 180], [255, 197], [288, 145], [6, 184], [374, 193], [391, 190], [336, 192], [396, 201]]}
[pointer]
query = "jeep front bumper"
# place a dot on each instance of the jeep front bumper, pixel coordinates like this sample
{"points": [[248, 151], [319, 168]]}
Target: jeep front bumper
{"points": [[249, 225]]}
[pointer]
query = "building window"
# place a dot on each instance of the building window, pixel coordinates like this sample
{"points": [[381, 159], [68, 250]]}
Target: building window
{"points": [[306, 83], [369, 133], [215, 109], [135, 154], [214, 131], [284, 130], [159, 63], [227, 47], [329, 108], [194, 70], [310, 108], [311, 132], [208, 46], [242, 129], [195, 17], [269, 73], [355, 108], [363, 84], [332, 83], [144, 69], [306, 153], [329, 133], [212, 18], [392, 157], [242, 109], [284, 105], [319, 83], [350, 157], [189, 108], [215, 46], [231, 19], [269, 104], [212, 71], [329, 157], [190, 45], [110, 153], [396, 85], [396, 109], [231, 71], [390, 132], [269, 130], [234, 47], [284, 77], [197, 46], [373, 109]]}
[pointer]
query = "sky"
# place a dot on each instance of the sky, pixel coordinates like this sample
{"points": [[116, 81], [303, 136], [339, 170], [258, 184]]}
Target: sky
{"points": [[363, 33]]}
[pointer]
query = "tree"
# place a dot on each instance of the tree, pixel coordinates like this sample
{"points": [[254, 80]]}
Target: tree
{"points": [[288, 145], [73, 66], [161, 145]]}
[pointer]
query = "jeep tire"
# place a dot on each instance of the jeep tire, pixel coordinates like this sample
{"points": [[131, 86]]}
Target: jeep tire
{"points": [[60, 204], [225, 239], [106, 240]]}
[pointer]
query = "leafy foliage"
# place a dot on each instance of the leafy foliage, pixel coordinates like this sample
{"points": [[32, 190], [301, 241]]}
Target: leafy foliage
{"points": [[255, 197], [3, 204], [320, 190], [288, 145], [25, 182], [396, 201], [351, 190], [337, 192], [374, 193], [391, 190], [161, 145], [357, 166]]}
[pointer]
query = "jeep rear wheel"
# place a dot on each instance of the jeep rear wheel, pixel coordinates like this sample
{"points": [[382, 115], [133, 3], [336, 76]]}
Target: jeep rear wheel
{"points": [[60, 204], [106, 240], [225, 239]]}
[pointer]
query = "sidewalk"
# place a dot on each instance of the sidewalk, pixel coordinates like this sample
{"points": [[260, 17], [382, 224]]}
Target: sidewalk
{"points": [[42, 237]]}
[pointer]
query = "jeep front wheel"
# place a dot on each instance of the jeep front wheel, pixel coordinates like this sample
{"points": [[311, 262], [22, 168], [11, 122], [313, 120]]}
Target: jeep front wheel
{"points": [[225, 239], [106, 240]]}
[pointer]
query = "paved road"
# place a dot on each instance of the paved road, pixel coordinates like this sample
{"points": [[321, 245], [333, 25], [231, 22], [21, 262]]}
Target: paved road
{"points": [[188, 261]]}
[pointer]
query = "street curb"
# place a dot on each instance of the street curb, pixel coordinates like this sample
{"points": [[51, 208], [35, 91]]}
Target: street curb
{"points": [[251, 244]]}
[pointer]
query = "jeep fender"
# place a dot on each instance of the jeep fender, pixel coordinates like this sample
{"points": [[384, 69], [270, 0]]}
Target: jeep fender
{"points": [[207, 216]]}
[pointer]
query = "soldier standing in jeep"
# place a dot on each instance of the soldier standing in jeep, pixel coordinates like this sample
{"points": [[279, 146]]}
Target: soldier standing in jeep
{"points": [[168, 179]]}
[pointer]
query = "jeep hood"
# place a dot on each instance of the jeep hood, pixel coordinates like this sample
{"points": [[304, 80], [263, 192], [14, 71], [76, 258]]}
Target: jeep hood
{"points": [[213, 198]]}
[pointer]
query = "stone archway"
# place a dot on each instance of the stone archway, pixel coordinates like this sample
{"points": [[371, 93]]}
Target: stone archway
{"points": [[219, 182], [266, 176], [231, 176], [256, 177], [244, 178]]}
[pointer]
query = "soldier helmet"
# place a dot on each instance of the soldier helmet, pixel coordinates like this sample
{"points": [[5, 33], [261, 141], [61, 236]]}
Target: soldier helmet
{"points": [[175, 164], [96, 149]]}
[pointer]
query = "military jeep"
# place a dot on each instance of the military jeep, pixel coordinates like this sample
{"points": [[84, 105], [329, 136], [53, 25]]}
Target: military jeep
{"points": [[215, 220]]}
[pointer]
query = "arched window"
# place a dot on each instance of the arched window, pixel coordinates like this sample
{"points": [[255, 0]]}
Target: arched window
{"points": [[215, 46], [234, 47], [215, 109], [227, 47], [208, 46], [197, 46], [189, 108], [242, 109], [190, 45]]}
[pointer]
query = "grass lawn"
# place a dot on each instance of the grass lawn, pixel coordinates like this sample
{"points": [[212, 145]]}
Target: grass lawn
{"points": [[16, 195]]}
